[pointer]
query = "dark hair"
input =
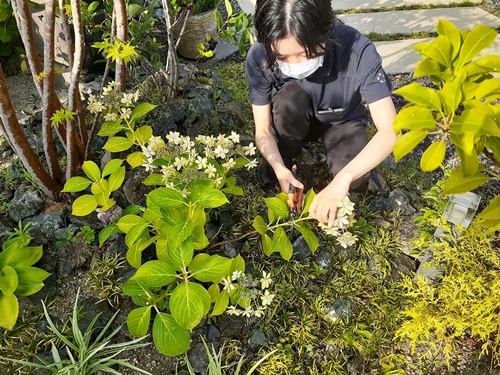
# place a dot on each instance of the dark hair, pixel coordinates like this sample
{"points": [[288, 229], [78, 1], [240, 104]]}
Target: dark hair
{"points": [[308, 21]]}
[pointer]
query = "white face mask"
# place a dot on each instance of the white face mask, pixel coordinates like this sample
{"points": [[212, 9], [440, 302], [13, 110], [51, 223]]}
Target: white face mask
{"points": [[301, 70]]}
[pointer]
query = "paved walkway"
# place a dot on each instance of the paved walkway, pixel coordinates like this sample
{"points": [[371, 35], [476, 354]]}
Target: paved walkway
{"points": [[398, 56]]}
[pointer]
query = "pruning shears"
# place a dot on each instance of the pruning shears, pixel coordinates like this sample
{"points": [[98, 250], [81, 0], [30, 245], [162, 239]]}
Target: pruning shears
{"points": [[294, 201]]}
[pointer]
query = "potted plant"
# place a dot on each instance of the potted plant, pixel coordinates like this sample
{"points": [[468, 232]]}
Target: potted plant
{"points": [[195, 23]]}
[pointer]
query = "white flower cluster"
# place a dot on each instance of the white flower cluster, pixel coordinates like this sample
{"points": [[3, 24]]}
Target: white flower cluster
{"points": [[344, 220], [251, 290], [112, 104], [183, 159]]}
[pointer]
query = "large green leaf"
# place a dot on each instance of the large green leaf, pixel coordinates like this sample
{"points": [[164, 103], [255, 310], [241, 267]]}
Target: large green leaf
{"points": [[421, 95], [84, 205], [282, 244], [135, 233], [491, 213], [110, 128], [75, 184], [477, 121], [220, 304], [155, 273], [307, 201], [493, 144], [267, 244], [458, 183], [8, 280], [133, 287], [138, 321], [407, 142], [277, 206], [488, 90], [414, 117], [180, 232], [143, 134], [469, 161], [30, 280], [169, 337], [127, 222], [166, 198], [309, 236], [15, 256], [211, 268], [91, 170], [9, 306], [116, 179], [451, 94], [439, 50], [489, 62], [200, 241], [134, 252], [479, 38], [427, 67], [141, 110], [189, 303], [433, 157], [207, 197], [111, 166], [259, 224], [117, 144], [181, 255], [452, 34]]}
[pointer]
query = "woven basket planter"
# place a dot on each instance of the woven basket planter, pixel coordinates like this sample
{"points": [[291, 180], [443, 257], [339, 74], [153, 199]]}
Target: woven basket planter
{"points": [[197, 26]]}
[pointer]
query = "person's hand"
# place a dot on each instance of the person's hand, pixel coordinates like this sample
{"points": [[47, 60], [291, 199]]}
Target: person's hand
{"points": [[285, 178], [324, 205]]}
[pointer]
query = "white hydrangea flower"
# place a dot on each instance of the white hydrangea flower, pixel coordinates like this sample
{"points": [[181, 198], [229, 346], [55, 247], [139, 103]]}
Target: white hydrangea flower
{"points": [[235, 137], [347, 239], [236, 275], [229, 164], [259, 312], [180, 162], [210, 171], [232, 310], [174, 137], [250, 149], [155, 143], [201, 163], [266, 280], [125, 113], [251, 164], [267, 298], [228, 285], [110, 116], [248, 312], [220, 152]]}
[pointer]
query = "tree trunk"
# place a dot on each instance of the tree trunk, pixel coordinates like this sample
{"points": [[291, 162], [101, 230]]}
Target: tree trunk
{"points": [[16, 138], [120, 11]]}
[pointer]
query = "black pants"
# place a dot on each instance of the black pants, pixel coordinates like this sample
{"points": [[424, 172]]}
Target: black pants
{"points": [[295, 122]]}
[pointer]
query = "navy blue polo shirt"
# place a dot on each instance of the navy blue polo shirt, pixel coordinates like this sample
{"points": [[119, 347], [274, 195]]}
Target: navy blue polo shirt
{"points": [[352, 71]]}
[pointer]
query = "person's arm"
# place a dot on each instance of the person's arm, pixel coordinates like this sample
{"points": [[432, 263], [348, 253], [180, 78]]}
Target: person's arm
{"points": [[324, 206], [266, 143]]}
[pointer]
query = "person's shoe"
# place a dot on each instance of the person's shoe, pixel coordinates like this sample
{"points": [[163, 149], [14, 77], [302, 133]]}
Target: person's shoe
{"points": [[376, 184]]}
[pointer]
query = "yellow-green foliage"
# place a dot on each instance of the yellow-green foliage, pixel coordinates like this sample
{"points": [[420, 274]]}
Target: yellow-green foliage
{"points": [[466, 301]]}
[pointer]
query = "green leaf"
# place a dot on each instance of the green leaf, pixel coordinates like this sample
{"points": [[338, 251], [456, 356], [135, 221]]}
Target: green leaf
{"points": [[307, 201], [181, 255], [488, 90], [477, 121], [421, 95], [169, 337], [155, 273], [134, 253], [282, 244], [479, 38], [9, 306], [136, 159], [451, 94], [116, 179], [220, 304], [489, 62], [427, 67], [132, 288], [211, 268], [110, 128], [309, 236], [267, 244], [127, 222], [234, 190], [8, 280], [143, 134], [180, 232], [15, 256], [439, 50], [207, 197], [92, 170], [138, 321], [141, 110], [200, 241], [118, 144], [493, 144], [135, 233], [75, 184], [260, 225], [189, 303], [458, 183], [414, 117], [470, 163], [433, 157], [84, 205], [277, 206], [166, 198], [452, 34], [111, 166], [407, 142], [30, 280], [492, 212]]}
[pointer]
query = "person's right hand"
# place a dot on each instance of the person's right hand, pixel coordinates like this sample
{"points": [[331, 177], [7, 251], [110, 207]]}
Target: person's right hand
{"points": [[285, 178]]}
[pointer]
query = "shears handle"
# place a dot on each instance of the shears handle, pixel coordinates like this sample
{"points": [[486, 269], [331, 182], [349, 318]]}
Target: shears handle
{"points": [[294, 201]]}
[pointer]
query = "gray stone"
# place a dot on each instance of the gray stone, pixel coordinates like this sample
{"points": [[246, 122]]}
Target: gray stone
{"points": [[198, 357], [26, 203], [45, 225], [404, 265], [117, 246], [201, 104], [213, 332], [258, 338], [231, 250], [134, 189], [324, 260], [231, 325], [301, 249]]}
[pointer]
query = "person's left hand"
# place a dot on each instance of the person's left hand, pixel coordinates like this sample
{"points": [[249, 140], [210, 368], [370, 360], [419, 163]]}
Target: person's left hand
{"points": [[324, 205]]}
